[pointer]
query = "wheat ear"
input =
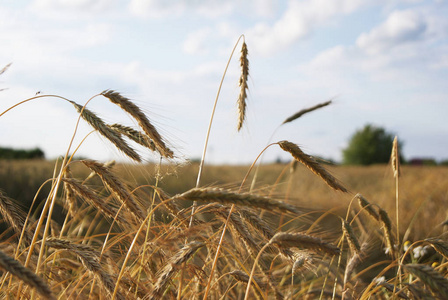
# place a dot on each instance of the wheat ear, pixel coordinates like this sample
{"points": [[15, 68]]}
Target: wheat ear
{"points": [[105, 131], [244, 63], [312, 164], [243, 199], [306, 110], [26, 275], [432, 278], [299, 240], [367, 207], [172, 266], [90, 258], [387, 228], [92, 198], [12, 213], [114, 184], [134, 135], [132, 109]]}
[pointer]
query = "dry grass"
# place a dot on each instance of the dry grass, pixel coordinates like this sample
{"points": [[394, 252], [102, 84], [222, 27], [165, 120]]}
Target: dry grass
{"points": [[294, 236]]}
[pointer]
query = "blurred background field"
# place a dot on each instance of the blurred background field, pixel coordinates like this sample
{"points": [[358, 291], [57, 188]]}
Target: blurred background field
{"points": [[423, 190]]}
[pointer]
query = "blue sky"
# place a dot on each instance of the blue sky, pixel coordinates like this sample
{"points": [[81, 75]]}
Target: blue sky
{"points": [[386, 62]]}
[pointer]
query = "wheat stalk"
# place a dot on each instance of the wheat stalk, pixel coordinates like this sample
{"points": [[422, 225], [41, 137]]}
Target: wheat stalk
{"points": [[132, 109], [312, 164], [439, 245]]}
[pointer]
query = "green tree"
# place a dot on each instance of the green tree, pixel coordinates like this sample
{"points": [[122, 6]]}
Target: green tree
{"points": [[370, 145]]}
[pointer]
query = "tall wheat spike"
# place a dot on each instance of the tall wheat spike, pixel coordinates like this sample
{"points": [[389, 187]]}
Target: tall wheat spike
{"points": [[132, 109], [306, 110], [26, 275], [312, 164], [244, 62]]}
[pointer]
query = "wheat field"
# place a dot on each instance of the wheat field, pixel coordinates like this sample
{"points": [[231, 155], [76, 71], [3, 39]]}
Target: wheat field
{"points": [[302, 230]]}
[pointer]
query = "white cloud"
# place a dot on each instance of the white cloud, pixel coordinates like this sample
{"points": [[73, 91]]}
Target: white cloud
{"points": [[297, 22], [72, 5], [401, 27], [195, 42], [175, 8]]}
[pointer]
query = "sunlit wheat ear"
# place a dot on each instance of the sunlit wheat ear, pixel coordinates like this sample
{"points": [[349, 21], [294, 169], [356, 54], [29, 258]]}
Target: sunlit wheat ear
{"points": [[132, 109], [367, 207], [312, 164], [395, 160], [244, 62], [115, 185], [105, 131], [14, 267], [12, 214], [303, 241], [134, 135], [90, 258], [387, 228], [92, 198], [304, 111], [351, 237], [430, 277], [172, 266], [229, 197]]}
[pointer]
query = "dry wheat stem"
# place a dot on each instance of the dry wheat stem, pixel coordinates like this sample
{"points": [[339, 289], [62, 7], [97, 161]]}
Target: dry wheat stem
{"points": [[312, 164], [26, 275], [132, 109], [306, 110]]}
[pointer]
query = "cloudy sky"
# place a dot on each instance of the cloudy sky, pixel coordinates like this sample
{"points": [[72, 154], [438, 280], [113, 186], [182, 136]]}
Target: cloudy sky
{"points": [[383, 62]]}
